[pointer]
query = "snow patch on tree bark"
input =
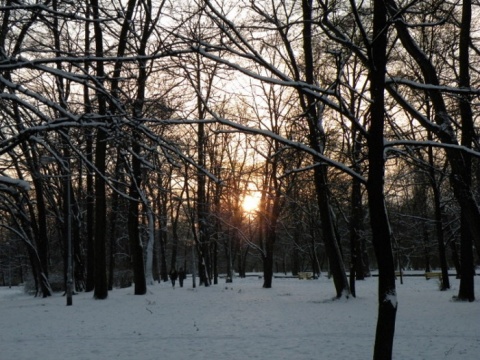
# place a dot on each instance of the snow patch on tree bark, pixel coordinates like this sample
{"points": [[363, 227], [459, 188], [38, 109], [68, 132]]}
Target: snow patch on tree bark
{"points": [[391, 297]]}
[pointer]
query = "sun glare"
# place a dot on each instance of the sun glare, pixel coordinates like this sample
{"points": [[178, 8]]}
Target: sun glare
{"points": [[251, 202]]}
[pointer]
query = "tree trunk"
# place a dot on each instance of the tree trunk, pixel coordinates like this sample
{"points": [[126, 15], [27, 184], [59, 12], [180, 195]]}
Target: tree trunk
{"points": [[356, 222], [135, 189], [101, 284], [90, 210], [175, 238], [269, 236], [438, 221], [455, 258], [466, 290], [133, 224], [268, 262], [163, 237], [229, 255], [381, 237], [426, 248], [317, 138], [332, 248], [42, 278], [355, 239], [113, 240], [89, 197], [218, 227], [203, 231], [42, 225], [215, 261]]}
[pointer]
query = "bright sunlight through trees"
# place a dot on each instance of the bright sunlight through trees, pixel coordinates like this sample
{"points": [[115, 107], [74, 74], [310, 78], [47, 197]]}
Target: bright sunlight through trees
{"points": [[251, 202]]}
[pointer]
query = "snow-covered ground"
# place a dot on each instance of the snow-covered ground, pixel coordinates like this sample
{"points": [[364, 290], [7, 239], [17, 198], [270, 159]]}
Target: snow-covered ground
{"points": [[294, 320]]}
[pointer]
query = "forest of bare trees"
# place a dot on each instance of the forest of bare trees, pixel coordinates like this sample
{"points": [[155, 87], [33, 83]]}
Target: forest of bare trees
{"points": [[133, 131]]}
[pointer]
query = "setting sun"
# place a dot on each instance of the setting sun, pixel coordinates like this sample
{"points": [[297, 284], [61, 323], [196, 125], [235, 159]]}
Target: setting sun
{"points": [[251, 202]]}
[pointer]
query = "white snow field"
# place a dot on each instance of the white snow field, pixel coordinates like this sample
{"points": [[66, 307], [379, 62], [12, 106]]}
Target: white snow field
{"points": [[295, 320]]}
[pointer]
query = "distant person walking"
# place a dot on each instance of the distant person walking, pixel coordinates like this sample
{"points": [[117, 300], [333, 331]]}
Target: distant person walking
{"points": [[181, 276], [173, 276]]}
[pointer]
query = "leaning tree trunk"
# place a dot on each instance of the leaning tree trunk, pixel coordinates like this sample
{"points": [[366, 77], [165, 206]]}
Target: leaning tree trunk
{"points": [[317, 140], [337, 267], [41, 279]]}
